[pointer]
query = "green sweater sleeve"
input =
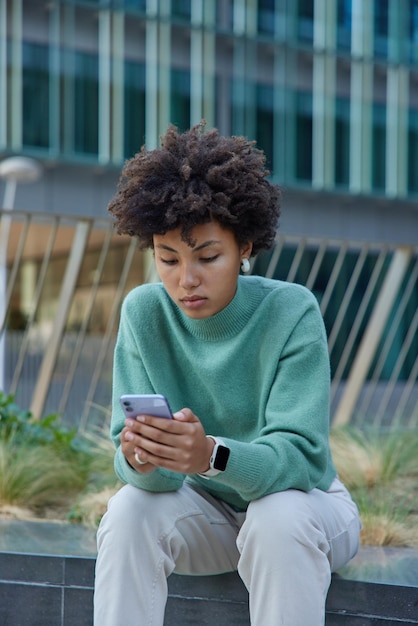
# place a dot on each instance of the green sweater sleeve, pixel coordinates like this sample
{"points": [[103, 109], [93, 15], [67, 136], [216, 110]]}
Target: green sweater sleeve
{"points": [[130, 376], [291, 451]]}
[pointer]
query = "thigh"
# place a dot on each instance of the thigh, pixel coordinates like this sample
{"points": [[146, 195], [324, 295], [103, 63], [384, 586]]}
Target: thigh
{"points": [[196, 532], [327, 520]]}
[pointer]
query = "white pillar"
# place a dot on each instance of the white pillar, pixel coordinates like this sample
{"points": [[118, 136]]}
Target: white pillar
{"points": [[361, 102], [202, 62], [323, 96]]}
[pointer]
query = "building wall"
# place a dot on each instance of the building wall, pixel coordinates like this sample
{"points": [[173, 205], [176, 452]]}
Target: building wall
{"points": [[328, 88]]}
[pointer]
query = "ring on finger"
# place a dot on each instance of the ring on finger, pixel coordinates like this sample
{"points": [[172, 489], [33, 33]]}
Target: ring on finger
{"points": [[138, 460]]}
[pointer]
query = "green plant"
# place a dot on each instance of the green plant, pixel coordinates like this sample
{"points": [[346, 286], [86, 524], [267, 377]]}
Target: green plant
{"points": [[90, 507], [385, 516], [91, 504], [381, 472], [36, 477], [371, 458], [20, 425], [44, 464]]}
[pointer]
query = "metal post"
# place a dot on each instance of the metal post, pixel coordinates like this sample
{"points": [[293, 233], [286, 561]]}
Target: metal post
{"points": [[5, 225], [372, 335], [66, 296], [14, 170]]}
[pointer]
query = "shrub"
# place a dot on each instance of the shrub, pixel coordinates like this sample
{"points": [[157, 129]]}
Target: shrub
{"points": [[381, 472], [44, 464]]}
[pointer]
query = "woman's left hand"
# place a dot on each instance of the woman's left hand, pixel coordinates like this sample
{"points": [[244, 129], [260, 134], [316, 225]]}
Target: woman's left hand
{"points": [[178, 444]]}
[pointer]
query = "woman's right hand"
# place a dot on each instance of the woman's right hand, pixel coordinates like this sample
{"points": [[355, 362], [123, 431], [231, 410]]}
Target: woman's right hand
{"points": [[129, 449]]}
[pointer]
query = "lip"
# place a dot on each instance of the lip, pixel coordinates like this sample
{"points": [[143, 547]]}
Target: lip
{"points": [[193, 302]]}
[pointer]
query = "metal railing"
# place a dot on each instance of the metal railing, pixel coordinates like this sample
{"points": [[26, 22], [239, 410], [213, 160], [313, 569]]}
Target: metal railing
{"points": [[67, 278]]}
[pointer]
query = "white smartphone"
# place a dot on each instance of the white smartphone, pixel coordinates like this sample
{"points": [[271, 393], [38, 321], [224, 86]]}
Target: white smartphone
{"points": [[146, 404]]}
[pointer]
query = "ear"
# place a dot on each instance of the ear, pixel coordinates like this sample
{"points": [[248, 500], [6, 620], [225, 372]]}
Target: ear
{"points": [[246, 249]]}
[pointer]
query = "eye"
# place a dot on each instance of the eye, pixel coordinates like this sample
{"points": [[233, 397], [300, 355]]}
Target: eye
{"points": [[168, 261], [209, 259]]}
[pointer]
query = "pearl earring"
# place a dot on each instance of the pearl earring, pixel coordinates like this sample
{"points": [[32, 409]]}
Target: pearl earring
{"points": [[245, 265]]}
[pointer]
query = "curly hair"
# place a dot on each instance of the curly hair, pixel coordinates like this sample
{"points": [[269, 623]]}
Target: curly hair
{"points": [[193, 178]]}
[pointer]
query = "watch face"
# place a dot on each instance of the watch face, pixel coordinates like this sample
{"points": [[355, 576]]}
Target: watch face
{"points": [[221, 459]]}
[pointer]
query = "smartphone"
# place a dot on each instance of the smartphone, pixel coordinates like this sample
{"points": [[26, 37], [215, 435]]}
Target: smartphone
{"points": [[146, 404]]}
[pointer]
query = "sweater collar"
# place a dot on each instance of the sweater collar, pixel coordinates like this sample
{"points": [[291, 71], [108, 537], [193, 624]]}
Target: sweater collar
{"points": [[231, 320]]}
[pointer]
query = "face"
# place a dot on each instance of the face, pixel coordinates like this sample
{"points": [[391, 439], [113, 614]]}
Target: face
{"points": [[201, 279]]}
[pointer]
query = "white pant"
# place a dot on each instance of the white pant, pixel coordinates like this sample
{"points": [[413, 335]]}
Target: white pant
{"points": [[284, 547]]}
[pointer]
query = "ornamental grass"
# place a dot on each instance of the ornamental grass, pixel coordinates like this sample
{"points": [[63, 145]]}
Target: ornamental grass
{"points": [[50, 472]]}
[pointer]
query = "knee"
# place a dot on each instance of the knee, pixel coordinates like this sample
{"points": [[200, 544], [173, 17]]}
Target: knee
{"points": [[123, 506], [127, 513], [134, 512], [280, 520]]}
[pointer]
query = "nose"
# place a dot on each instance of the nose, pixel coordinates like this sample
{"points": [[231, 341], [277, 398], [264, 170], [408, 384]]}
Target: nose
{"points": [[189, 276]]}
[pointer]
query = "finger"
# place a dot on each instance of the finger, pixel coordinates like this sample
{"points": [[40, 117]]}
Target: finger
{"points": [[138, 459], [185, 415], [133, 425], [139, 464], [146, 422]]}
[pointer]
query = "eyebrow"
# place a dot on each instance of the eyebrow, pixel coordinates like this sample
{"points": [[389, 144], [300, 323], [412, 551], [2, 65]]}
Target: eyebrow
{"points": [[206, 244]]}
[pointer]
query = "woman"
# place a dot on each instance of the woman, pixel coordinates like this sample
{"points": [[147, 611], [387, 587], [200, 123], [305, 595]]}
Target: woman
{"points": [[242, 477]]}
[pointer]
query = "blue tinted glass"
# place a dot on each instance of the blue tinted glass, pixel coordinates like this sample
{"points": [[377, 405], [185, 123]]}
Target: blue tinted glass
{"points": [[305, 20], [180, 98], [181, 8], [35, 95], [413, 29], [85, 103], [264, 119], [303, 133], [413, 151], [379, 146], [134, 104], [344, 24], [381, 13], [266, 16], [342, 141], [139, 5]]}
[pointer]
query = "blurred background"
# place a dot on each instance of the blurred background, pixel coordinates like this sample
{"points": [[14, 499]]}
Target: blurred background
{"points": [[327, 88]]}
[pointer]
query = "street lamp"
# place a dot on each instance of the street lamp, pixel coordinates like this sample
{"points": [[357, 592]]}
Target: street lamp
{"points": [[14, 170]]}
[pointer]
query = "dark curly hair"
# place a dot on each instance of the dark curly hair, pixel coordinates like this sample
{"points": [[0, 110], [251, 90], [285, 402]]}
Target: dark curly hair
{"points": [[193, 178]]}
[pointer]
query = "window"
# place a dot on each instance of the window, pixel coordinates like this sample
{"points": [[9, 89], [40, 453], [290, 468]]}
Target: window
{"points": [[381, 13], [85, 103], [266, 17], [303, 136], [137, 5], [180, 98], [264, 132], [239, 88], [134, 122], [344, 24], [379, 146], [305, 20], [181, 9], [413, 29], [224, 15], [413, 151], [35, 95], [342, 141], [79, 98]]}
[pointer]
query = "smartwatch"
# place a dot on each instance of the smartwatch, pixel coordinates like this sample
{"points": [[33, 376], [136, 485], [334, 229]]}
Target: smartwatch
{"points": [[218, 460]]}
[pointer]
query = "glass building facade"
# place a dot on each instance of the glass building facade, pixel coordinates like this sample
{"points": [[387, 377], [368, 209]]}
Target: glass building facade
{"points": [[328, 88]]}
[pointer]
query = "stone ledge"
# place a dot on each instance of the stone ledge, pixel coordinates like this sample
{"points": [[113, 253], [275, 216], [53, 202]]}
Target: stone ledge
{"points": [[36, 590]]}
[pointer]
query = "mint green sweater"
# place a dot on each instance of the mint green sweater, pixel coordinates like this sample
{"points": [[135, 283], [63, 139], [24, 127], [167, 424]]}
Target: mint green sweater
{"points": [[256, 374]]}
